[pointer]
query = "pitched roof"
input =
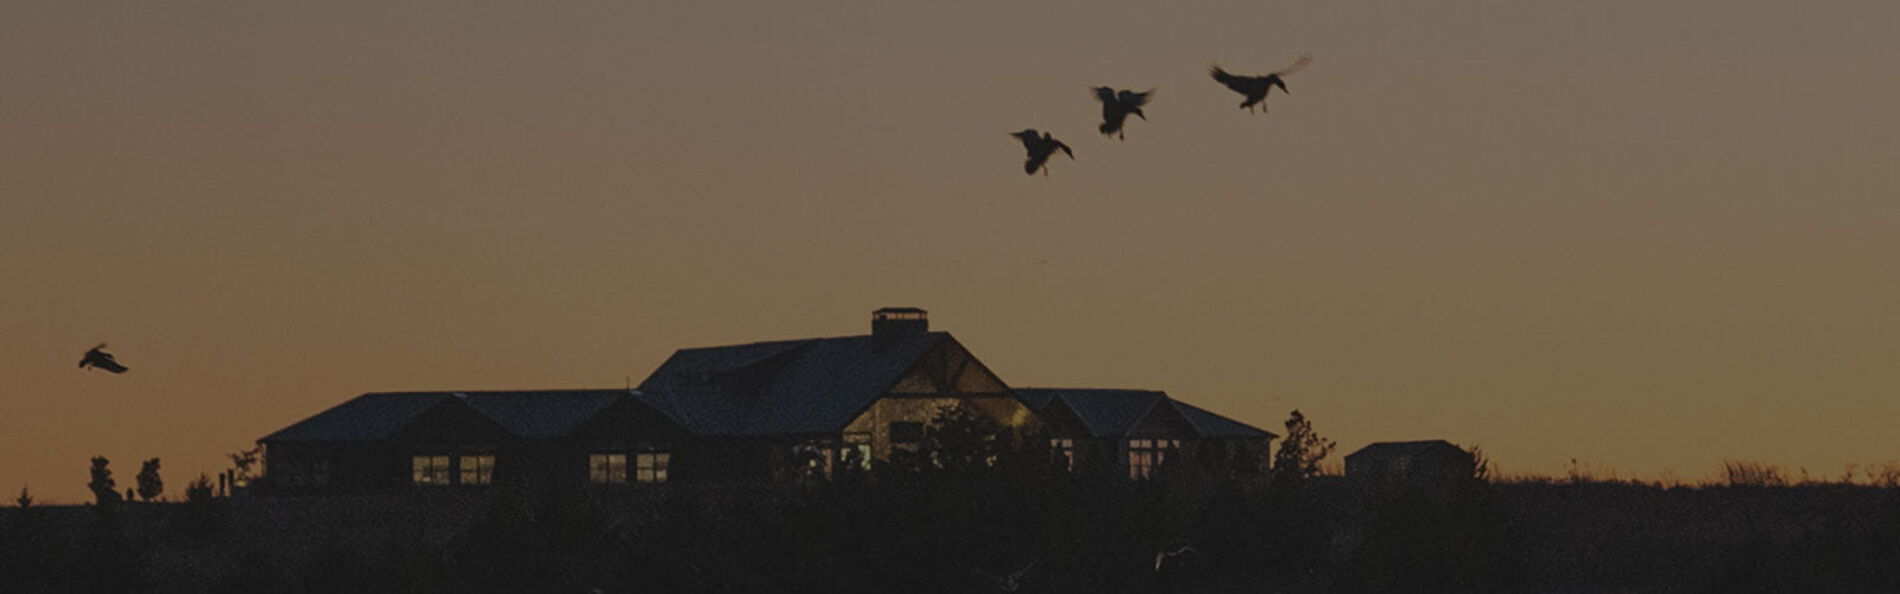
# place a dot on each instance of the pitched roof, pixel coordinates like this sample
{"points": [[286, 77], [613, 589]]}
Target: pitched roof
{"points": [[1036, 398], [363, 418], [791, 387], [1399, 448], [523, 413], [546, 413], [1104, 412], [1116, 412], [1213, 425]]}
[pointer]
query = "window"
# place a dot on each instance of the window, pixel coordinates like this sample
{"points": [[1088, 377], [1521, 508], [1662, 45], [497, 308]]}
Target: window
{"points": [[477, 469], [429, 471], [651, 467], [856, 454], [1146, 455], [1063, 452], [604, 469], [812, 460], [907, 432]]}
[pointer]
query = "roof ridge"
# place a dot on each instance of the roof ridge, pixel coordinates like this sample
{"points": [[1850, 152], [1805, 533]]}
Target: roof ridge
{"points": [[493, 392], [1128, 390], [787, 341]]}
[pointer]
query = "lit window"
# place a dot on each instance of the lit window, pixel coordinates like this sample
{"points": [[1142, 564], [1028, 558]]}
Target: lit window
{"points": [[812, 459], [607, 468], [431, 471], [651, 468], [1063, 450], [856, 453], [478, 469], [1145, 455]]}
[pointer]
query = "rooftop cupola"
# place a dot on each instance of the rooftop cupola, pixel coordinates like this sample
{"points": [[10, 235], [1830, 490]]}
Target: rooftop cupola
{"points": [[898, 322]]}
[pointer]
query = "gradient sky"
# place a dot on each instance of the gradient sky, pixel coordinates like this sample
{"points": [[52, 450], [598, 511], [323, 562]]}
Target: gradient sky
{"points": [[1648, 236]]}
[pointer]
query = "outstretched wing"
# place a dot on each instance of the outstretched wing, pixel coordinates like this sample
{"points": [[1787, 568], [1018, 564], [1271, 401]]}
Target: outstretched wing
{"points": [[1028, 138], [1133, 99], [1065, 148], [1104, 94], [1298, 64], [1240, 84]]}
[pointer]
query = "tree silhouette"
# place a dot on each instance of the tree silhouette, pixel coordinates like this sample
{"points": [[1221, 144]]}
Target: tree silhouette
{"points": [[1300, 452], [150, 485], [241, 464], [25, 500], [104, 490], [198, 490], [961, 440]]}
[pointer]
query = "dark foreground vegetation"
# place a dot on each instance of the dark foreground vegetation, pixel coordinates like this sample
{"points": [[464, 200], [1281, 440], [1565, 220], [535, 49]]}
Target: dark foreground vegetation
{"points": [[976, 511], [933, 534]]}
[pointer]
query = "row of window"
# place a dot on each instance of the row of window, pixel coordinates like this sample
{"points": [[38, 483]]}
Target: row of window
{"points": [[441, 470], [1144, 455], [607, 468], [611, 469]]}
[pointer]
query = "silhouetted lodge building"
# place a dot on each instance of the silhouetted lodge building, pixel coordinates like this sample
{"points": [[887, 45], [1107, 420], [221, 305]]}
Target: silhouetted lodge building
{"points": [[768, 411], [1434, 469], [1136, 432]]}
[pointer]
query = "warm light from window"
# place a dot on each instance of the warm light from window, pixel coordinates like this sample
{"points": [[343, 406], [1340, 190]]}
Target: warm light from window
{"points": [[1064, 450], [429, 471], [1145, 455], [606, 469], [651, 467], [478, 469]]}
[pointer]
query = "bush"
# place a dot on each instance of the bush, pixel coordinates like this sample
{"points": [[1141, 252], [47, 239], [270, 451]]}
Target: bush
{"points": [[150, 485]]}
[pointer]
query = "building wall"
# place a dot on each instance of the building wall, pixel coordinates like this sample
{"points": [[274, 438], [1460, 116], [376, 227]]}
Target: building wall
{"points": [[874, 425]]}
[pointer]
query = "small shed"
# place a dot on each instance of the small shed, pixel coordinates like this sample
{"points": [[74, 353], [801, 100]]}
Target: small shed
{"points": [[1433, 468]]}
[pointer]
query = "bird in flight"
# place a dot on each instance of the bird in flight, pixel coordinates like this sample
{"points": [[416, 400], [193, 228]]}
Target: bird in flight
{"points": [[1040, 149], [1256, 87], [1117, 105], [98, 358], [1165, 553]]}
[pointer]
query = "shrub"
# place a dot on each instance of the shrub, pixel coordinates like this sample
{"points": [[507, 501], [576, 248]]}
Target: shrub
{"points": [[150, 485]]}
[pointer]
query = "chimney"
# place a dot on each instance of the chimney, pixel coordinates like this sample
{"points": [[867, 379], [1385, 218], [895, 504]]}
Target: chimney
{"points": [[893, 323]]}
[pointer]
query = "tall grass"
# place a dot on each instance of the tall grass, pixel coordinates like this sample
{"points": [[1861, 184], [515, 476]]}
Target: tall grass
{"points": [[1733, 473], [1743, 473]]}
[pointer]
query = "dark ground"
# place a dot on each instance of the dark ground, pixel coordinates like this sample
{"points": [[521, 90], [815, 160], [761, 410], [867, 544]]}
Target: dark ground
{"points": [[931, 536]]}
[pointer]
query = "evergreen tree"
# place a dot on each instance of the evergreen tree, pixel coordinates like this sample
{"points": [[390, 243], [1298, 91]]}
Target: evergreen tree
{"points": [[150, 485], [105, 491]]}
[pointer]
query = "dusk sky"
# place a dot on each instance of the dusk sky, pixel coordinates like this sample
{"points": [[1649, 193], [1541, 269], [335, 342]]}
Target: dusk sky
{"points": [[1647, 236]]}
